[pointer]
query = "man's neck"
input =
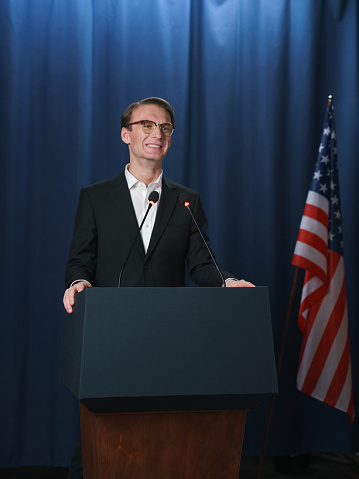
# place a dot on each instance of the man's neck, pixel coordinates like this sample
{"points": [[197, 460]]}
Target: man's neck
{"points": [[146, 175]]}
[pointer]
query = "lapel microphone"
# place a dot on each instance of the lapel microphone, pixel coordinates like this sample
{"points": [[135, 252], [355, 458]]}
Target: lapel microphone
{"points": [[184, 199], [152, 199]]}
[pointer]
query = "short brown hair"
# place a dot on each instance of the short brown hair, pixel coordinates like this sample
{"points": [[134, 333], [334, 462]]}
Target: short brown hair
{"points": [[126, 117]]}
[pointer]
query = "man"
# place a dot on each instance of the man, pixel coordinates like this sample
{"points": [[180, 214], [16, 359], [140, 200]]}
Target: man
{"points": [[109, 214]]}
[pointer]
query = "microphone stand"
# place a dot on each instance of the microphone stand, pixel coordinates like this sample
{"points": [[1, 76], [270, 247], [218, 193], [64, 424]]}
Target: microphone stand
{"points": [[186, 203]]}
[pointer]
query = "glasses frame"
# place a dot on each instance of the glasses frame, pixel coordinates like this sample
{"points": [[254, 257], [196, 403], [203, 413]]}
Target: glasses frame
{"points": [[161, 125]]}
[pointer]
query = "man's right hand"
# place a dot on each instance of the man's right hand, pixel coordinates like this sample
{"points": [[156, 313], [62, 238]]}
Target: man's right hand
{"points": [[69, 296]]}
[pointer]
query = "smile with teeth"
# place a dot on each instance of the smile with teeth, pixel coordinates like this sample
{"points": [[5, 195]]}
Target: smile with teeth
{"points": [[151, 145]]}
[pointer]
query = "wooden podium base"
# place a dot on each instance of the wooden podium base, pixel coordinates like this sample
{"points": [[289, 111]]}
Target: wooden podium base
{"points": [[162, 445]]}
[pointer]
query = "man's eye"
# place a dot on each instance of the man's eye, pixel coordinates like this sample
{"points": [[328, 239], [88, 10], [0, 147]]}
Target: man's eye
{"points": [[147, 124]]}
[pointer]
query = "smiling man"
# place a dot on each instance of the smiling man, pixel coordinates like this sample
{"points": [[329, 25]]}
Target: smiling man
{"points": [[148, 140], [109, 214]]}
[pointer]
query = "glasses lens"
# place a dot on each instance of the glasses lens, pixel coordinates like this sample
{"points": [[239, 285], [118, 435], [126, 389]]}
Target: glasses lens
{"points": [[148, 126], [166, 128]]}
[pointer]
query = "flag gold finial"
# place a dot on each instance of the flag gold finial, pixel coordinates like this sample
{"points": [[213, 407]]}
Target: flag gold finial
{"points": [[330, 100]]}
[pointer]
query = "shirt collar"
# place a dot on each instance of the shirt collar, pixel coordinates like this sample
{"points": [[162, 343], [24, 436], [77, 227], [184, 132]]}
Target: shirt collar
{"points": [[133, 181]]}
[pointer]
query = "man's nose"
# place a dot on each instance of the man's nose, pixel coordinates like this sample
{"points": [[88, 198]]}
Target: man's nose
{"points": [[157, 131]]}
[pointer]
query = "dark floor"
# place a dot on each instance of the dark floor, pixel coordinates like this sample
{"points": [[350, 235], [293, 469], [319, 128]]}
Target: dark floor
{"points": [[318, 466]]}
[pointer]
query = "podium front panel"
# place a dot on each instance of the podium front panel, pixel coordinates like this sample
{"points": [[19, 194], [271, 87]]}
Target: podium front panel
{"points": [[136, 349]]}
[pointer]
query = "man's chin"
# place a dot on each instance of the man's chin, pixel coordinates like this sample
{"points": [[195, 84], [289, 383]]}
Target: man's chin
{"points": [[155, 158]]}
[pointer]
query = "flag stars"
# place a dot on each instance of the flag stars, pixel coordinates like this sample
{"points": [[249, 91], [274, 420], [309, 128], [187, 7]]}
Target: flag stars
{"points": [[325, 182], [323, 188]]}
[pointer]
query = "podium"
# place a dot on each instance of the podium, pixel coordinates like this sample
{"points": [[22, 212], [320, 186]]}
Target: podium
{"points": [[165, 376]]}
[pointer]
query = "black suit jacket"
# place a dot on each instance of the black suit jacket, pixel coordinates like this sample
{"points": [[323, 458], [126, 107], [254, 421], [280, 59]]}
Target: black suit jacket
{"points": [[106, 226]]}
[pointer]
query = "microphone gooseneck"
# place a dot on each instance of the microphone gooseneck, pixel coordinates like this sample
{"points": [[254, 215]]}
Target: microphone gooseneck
{"points": [[152, 199], [185, 200]]}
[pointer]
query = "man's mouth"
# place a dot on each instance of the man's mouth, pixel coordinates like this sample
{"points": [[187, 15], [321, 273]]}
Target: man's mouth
{"points": [[151, 145]]}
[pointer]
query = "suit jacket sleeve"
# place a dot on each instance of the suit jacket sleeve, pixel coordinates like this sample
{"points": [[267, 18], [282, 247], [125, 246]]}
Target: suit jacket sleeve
{"points": [[83, 249]]}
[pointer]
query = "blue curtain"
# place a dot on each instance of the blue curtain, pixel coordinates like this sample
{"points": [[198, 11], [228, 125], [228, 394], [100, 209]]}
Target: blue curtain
{"points": [[249, 82]]}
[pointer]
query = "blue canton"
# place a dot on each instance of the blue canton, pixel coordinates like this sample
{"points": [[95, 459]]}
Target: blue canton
{"points": [[326, 181]]}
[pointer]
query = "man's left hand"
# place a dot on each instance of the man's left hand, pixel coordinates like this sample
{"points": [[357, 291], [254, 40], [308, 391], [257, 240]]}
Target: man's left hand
{"points": [[232, 283]]}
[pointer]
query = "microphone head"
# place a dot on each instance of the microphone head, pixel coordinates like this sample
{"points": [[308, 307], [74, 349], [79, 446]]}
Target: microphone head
{"points": [[153, 197], [184, 199]]}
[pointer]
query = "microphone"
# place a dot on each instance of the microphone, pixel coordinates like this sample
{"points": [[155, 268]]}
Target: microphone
{"points": [[152, 199], [184, 199]]}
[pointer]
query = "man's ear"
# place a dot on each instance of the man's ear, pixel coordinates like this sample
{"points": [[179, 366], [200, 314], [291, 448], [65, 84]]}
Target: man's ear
{"points": [[125, 136]]}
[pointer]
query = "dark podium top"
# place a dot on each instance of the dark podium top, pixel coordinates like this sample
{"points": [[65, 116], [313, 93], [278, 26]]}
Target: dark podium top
{"points": [[160, 349]]}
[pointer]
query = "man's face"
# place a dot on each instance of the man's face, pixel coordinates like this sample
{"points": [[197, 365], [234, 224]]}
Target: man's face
{"points": [[147, 147]]}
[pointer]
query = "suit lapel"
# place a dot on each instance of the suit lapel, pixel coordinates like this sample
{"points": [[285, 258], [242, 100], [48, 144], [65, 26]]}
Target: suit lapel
{"points": [[126, 213]]}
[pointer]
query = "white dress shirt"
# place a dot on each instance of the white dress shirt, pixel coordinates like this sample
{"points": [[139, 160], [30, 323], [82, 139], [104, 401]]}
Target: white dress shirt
{"points": [[139, 195]]}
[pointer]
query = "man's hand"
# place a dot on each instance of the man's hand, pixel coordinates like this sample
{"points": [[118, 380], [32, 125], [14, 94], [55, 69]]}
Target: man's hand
{"points": [[69, 296], [231, 283]]}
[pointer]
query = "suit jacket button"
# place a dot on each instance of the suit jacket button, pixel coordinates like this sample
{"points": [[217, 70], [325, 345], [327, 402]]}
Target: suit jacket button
{"points": [[146, 267]]}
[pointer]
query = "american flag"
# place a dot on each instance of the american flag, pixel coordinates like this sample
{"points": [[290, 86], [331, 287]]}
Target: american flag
{"points": [[324, 370]]}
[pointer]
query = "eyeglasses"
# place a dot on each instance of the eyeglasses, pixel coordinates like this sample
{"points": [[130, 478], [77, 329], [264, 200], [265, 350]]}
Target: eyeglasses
{"points": [[149, 126]]}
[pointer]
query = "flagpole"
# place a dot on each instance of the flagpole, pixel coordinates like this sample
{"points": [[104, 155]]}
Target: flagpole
{"points": [[279, 367]]}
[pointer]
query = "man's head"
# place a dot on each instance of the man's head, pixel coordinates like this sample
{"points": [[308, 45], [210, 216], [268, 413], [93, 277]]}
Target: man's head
{"points": [[146, 128], [127, 115]]}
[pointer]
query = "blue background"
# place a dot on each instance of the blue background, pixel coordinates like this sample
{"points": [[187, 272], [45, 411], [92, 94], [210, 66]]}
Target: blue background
{"points": [[249, 82]]}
